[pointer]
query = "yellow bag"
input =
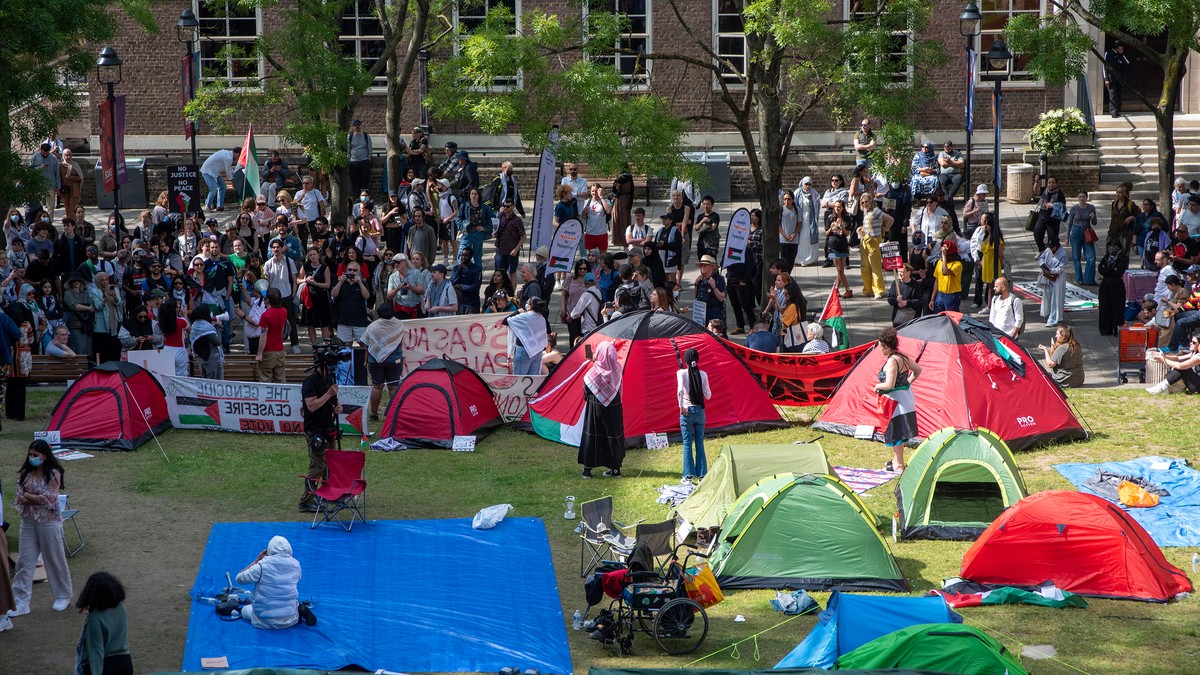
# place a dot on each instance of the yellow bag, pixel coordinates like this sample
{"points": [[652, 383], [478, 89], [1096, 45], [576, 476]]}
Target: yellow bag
{"points": [[1132, 494], [702, 586]]}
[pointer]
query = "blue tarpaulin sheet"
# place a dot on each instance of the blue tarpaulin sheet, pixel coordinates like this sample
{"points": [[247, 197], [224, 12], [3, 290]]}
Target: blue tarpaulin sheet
{"points": [[1176, 519], [408, 596]]}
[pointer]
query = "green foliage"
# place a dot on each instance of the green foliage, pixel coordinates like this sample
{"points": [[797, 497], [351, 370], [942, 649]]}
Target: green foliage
{"points": [[892, 157], [530, 81], [47, 44], [1054, 126], [1057, 48]]}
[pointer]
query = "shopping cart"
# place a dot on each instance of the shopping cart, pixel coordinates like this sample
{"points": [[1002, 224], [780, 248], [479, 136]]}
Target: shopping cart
{"points": [[1131, 350]]}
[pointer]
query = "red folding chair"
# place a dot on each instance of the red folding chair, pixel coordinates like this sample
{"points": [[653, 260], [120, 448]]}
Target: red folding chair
{"points": [[343, 490]]}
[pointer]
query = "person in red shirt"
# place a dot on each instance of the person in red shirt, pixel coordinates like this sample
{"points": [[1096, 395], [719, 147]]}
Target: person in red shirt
{"points": [[270, 358], [174, 330]]}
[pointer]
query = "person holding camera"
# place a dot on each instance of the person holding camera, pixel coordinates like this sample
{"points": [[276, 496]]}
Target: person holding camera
{"points": [[319, 413], [350, 295]]}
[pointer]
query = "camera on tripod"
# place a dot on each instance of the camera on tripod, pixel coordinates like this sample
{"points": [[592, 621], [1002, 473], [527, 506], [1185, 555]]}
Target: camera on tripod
{"points": [[329, 354]]}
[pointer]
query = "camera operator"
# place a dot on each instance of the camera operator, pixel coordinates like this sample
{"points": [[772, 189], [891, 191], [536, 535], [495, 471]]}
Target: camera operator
{"points": [[319, 412], [350, 295]]}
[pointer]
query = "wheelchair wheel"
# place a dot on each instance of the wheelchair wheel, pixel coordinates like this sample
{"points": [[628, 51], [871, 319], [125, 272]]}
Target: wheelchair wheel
{"points": [[680, 626], [626, 643]]}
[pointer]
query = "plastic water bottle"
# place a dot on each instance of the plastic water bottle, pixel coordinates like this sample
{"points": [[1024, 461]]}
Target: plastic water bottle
{"points": [[577, 620], [1195, 562]]}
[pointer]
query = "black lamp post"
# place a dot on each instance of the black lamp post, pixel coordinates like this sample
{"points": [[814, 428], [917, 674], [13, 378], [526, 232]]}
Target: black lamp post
{"points": [[187, 30], [108, 72], [423, 84], [999, 62], [969, 27]]}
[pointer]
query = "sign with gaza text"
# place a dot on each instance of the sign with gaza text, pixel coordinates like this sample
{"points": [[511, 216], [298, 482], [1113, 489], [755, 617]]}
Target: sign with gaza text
{"points": [[513, 392], [478, 341], [254, 407], [735, 240], [564, 245]]}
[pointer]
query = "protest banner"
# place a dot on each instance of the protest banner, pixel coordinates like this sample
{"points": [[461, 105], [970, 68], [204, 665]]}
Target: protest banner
{"points": [[156, 361], [478, 341], [564, 245], [735, 241], [112, 131], [183, 189], [254, 407], [513, 392], [542, 225], [890, 252]]}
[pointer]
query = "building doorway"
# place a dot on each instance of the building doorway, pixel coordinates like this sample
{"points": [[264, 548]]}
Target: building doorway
{"points": [[1145, 75]]}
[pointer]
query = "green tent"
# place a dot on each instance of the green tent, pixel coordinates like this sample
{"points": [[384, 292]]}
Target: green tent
{"points": [[804, 531], [956, 484], [952, 647], [741, 466]]}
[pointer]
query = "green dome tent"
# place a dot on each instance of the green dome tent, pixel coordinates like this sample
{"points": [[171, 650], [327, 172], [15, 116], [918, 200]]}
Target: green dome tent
{"points": [[804, 531], [741, 466], [949, 647], [956, 484]]}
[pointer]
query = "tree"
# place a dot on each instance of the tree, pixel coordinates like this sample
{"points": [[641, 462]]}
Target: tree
{"points": [[1058, 47], [318, 87], [802, 62], [537, 78], [49, 44]]}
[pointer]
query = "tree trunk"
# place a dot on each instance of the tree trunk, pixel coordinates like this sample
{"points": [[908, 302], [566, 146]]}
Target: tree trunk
{"points": [[1164, 116], [768, 177], [395, 134], [339, 176]]}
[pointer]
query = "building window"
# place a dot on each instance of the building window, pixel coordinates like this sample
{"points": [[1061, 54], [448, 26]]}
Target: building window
{"points": [[893, 61], [634, 43], [227, 35], [730, 39], [470, 15], [362, 37], [996, 14]]}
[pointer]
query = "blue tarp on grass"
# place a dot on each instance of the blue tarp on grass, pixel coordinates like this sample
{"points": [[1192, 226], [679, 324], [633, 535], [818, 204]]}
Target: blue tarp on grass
{"points": [[408, 596], [1176, 519]]}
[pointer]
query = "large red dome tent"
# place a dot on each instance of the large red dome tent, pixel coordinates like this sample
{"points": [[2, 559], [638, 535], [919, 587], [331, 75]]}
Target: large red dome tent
{"points": [[114, 406], [650, 347], [972, 376], [438, 400], [1084, 544]]}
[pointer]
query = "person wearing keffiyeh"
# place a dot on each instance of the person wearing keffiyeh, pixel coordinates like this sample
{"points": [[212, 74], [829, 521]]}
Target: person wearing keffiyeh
{"points": [[602, 442]]}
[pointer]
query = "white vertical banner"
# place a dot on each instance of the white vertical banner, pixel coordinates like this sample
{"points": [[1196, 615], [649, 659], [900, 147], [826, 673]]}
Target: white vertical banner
{"points": [[564, 245], [542, 227], [736, 238]]}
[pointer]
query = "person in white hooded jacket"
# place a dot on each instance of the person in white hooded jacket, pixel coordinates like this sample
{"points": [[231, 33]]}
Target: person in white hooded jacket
{"points": [[275, 575]]}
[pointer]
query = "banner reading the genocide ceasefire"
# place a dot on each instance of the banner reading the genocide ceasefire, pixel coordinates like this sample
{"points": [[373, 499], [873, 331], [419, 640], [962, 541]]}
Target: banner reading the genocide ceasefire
{"points": [[253, 407]]}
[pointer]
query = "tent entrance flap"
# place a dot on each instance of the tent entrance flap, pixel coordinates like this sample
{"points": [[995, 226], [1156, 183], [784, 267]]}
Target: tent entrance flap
{"points": [[966, 503]]}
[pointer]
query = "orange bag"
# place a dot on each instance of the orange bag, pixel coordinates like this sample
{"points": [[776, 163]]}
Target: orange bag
{"points": [[1132, 494], [702, 586]]}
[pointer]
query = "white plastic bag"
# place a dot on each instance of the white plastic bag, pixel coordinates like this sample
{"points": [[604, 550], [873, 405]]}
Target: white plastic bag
{"points": [[489, 517]]}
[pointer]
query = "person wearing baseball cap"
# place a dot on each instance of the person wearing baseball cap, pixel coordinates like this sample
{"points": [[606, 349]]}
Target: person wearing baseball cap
{"points": [[711, 290], [440, 298], [448, 169], [974, 209]]}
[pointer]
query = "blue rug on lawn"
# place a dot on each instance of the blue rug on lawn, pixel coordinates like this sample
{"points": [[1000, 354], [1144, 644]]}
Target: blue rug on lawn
{"points": [[399, 595], [1176, 519]]}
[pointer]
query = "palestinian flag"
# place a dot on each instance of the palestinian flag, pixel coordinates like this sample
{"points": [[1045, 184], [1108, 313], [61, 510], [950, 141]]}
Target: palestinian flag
{"points": [[959, 593], [832, 316], [558, 413], [351, 424], [248, 160]]}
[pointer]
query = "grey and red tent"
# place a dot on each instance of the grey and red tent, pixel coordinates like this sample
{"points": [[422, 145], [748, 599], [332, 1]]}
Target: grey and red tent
{"points": [[650, 347], [972, 376], [438, 400], [114, 406]]}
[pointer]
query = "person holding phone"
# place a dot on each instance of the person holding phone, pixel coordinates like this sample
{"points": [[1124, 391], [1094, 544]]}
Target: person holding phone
{"points": [[602, 442], [691, 393], [276, 576]]}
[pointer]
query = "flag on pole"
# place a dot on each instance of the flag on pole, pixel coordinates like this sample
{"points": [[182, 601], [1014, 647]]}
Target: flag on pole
{"points": [[832, 316], [248, 160], [970, 107]]}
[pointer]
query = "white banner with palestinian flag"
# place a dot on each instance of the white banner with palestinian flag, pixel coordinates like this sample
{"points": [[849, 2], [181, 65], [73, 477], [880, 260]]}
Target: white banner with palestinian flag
{"points": [[254, 407]]}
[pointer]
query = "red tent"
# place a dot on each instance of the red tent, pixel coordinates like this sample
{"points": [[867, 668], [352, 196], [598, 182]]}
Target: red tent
{"points": [[1083, 543], [650, 346], [114, 406], [972, 376], [437, 401]]}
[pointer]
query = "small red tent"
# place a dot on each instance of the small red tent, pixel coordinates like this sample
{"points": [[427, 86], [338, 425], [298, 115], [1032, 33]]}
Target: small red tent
{"points": [[1083, 543], [650, 347], [972, 376], [437, 401], [114, 406]]}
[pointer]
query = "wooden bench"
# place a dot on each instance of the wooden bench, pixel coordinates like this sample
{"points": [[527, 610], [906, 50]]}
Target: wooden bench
{"points": [[49, 369], [240, 367]]}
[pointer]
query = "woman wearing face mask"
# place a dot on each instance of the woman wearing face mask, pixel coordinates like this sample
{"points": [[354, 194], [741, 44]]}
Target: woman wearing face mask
{"points": [[38, 484], [15, 227]]}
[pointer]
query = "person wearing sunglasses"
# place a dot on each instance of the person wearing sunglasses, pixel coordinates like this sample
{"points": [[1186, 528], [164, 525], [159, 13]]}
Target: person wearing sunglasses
{"points": [[1183, 369]]}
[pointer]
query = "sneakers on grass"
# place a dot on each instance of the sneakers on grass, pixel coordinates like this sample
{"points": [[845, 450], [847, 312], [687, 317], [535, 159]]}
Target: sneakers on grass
{"points": [[1158, 389]]}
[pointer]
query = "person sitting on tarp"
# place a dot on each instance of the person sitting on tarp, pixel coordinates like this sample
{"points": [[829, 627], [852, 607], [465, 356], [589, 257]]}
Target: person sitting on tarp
{"points": [[275, 575]]}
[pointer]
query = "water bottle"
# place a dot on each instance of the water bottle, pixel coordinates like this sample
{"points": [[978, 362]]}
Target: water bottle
{"points": [[1195, 562], [209, 601], [577, 620]]}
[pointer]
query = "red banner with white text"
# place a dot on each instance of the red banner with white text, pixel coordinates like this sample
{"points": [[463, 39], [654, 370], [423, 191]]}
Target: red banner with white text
{"points": [[800, 379]]}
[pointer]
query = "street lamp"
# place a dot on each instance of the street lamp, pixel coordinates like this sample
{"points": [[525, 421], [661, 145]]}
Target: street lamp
{"points": [[423, 84], [187, 30], [969, 27], [999, 62], [108, 73]]}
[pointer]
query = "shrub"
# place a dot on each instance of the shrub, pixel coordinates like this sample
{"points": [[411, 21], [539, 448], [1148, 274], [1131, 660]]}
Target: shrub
{"points": [[1053, 127]]}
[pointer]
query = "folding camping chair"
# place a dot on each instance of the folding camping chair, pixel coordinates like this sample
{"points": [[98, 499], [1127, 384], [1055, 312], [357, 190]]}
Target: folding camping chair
{"points": [[595, 533], [343, 489], [659, 539], [68, 516]]}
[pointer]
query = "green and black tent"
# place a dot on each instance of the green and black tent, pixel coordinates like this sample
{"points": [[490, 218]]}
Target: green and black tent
{"points": [[956, 484], [951, 647], [804, 531]]}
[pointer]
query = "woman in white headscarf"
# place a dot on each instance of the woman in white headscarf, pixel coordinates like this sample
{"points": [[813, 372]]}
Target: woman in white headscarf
{"points": [[602, 442], [808, 204], [276, 577]]}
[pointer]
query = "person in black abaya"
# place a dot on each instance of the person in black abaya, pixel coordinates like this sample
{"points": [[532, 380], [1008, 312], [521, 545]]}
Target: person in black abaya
{"points": [[603, 440], [1112, 287], [22, 359]]}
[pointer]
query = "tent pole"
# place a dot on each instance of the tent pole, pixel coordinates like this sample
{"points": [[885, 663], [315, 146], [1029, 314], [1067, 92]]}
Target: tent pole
{"points": [[149, 426]]}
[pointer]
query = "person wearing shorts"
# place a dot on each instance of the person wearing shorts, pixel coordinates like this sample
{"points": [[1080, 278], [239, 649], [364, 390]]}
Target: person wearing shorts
{"points": [[388, 371]]}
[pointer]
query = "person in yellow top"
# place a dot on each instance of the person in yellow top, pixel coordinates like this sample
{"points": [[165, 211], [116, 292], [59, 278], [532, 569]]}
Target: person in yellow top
{"points": [[988, 258], [948, 273]]}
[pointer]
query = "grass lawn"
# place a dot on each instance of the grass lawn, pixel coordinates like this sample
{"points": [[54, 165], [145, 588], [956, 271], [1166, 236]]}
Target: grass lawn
{"points": [[146, 519]]}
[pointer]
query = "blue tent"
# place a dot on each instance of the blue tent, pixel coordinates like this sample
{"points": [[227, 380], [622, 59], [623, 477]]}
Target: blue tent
{"points": [[850, 621]]}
